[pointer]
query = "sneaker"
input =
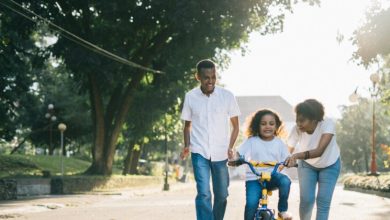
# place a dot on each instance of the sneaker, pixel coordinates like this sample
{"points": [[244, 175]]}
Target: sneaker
{"points": [[285, 215]]}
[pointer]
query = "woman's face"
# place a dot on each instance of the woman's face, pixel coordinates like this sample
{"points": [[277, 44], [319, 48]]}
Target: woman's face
{"points": [[306, 125], [267, 127]]}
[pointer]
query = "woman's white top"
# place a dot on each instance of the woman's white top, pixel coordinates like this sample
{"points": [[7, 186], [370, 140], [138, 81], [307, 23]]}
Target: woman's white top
{"points": [[303, 141], [254, 148]]}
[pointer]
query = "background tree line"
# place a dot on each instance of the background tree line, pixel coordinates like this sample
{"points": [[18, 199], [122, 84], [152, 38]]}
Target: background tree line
{"points": [[112, 108], [108, 105], [373, 48]]}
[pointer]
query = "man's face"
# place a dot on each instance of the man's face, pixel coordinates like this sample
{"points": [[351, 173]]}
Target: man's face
{"points": [[207, 79]]}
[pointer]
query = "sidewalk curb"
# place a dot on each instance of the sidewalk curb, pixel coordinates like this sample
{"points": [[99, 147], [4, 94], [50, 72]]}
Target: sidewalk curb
{"points": [[368, 191]]}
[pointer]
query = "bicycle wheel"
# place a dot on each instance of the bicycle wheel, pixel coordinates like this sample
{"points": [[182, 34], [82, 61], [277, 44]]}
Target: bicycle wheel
{"points": [[263, 215]]}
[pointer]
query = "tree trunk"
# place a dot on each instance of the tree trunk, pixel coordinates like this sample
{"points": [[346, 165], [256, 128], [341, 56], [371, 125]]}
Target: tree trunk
{"points": [[109, 126], [127, 161], [135, 154], [97, 166]]}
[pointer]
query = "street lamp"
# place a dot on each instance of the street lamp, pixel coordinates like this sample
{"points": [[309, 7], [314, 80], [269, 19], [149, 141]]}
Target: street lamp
{"points": [[52, 118], [375, 78], [166, 184], [374, 92], [62, 128]]}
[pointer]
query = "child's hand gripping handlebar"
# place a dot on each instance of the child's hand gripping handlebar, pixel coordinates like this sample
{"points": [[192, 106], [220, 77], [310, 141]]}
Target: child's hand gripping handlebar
{"points": [[278, 166]]}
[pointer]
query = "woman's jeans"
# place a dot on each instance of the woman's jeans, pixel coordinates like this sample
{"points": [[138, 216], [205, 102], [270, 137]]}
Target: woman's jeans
{"points": [[309, 178], [220, 179], [253, 193]]}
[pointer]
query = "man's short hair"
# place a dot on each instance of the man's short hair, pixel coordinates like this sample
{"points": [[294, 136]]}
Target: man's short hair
{"points": [[204, 64]]}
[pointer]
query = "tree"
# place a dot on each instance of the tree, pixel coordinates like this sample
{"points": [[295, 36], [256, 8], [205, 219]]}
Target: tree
{"points": [[354, 135], [165, 35], [20, 61], [56, 86], [150, 128], [372, 41], [372, 38]]}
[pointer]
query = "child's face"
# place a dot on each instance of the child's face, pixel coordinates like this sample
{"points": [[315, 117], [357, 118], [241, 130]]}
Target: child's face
{"points": [[267, 127]]}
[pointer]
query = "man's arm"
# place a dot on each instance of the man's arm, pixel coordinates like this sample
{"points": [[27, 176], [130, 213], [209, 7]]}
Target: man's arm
{"points": [[186, 133], [233, 136]]}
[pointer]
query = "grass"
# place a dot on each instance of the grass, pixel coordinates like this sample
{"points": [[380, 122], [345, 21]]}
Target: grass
{"points": [[31, 165], [25, 166]]}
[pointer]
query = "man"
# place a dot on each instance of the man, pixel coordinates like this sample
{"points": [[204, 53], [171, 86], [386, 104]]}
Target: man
{"points": [[206, 112]]}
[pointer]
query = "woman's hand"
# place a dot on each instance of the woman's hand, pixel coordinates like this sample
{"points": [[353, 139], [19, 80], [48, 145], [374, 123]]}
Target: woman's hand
{"points": [[291, 161]]}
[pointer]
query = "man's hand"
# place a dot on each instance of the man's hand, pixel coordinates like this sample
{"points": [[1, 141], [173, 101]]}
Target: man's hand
{"points": [[184, 153], [231, 153]]}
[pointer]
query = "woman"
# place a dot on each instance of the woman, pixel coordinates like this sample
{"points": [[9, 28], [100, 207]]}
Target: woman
{"points": [[313, 141]]}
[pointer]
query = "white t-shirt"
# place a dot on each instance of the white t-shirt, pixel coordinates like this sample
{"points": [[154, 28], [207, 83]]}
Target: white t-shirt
{"points": [[303, 141], [210, 121], [254, 148]]}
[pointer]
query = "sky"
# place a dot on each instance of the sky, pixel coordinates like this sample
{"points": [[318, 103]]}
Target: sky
{"points": [[305, 60]]}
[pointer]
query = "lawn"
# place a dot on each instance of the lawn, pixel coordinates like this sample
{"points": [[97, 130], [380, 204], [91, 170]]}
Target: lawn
{"points": [[31, 165]]}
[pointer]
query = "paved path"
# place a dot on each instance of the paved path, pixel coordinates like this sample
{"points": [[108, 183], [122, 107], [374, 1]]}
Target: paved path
{"points": [[178, 203]]}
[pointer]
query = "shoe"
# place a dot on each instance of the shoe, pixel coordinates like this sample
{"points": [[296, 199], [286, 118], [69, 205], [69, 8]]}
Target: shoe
{"points": [[285, 215]]}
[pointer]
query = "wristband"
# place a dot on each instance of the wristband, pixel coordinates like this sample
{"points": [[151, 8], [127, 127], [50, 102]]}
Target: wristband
{"points": [[307, 155]]}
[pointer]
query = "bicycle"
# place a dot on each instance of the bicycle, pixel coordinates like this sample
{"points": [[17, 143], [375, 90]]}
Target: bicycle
{"points": [[262, 212]]}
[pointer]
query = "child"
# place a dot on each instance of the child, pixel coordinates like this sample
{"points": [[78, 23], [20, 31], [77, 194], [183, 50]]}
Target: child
{"points": [[264, 145]]}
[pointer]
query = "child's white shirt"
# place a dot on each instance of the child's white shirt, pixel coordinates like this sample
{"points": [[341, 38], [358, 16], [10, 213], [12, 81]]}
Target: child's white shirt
{"points": [[254, 148]]}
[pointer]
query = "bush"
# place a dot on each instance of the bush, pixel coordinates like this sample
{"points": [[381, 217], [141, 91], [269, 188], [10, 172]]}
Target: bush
{"points": [[378, 183]]}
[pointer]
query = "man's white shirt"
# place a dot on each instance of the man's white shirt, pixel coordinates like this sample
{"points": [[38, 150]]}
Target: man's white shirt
{"points": [[210, 121]]}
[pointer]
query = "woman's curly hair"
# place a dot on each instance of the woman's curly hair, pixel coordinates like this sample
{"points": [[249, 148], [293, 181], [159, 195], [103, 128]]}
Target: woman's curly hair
{"points": [[254, 120], [310, 109]]}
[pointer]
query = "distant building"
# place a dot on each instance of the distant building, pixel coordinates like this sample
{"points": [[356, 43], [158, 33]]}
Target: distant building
{"points": [[250, 104]]}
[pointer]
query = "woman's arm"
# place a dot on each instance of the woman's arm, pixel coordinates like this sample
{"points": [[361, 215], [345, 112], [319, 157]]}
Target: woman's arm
{"points": [[317, 152]]}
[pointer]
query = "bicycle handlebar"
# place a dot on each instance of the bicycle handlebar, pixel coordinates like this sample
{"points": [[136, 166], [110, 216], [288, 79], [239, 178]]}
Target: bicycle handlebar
{"points": [[252, 164]]}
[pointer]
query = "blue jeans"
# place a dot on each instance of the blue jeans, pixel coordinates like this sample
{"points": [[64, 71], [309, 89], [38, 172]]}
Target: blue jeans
{"points": [[253, 193], [203, 168], [309, 177]]}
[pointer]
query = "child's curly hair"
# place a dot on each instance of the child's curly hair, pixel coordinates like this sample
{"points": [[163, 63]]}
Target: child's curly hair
{"points": [[253, 123]]}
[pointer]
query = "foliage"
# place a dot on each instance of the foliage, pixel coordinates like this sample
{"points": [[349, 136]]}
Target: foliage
{"points": [[372, 37], [380, 183], [354, 132], [166, 35], [56, 86], [385, 84], [373, 45], [20, 61]]}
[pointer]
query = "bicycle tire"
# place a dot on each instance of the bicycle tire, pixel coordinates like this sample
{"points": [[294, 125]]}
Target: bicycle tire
{"points": [[263, 215]]}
